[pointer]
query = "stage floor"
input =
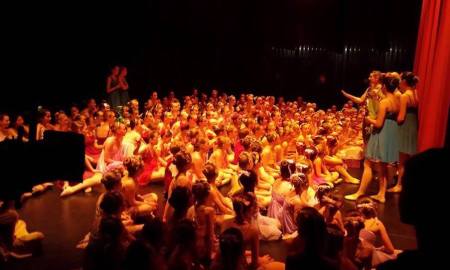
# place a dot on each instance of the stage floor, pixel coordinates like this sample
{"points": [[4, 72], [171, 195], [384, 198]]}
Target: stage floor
{"points": [[65, 222]]}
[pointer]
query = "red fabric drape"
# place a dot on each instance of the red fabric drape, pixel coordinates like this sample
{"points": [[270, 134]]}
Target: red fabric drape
{"points": [[432, 65]]}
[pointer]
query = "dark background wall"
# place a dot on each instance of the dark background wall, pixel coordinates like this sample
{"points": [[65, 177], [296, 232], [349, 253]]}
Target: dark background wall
{"points": [[61, 52]]}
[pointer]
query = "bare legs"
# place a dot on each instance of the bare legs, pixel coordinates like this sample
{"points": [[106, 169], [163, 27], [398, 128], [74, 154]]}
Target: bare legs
{"points": [[365, 181], [382, 169], [347, 177], [96, 179], [402, 159]]}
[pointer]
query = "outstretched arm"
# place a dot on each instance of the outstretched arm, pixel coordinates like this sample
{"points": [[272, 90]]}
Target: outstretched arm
{"points": [[355, 99]]}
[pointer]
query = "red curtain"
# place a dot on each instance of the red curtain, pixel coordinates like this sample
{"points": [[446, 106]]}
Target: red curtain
{"points": [[432, 65]]}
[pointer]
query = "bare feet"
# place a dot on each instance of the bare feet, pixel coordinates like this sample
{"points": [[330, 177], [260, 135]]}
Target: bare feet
{"points": [[353, 197], [48, 185], [68, 191], [352, 180], [66, 185], [378, 198], [289, 235], [338, 181], [25, 196], [395, 189]]}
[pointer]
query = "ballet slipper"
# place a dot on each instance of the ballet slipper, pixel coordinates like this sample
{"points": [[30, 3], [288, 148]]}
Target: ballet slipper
{"points": [[37, 188], [68, 191], [88, 190], [65, 185], [48, 185], [352, 180], [353, 197], [25, 196], [338, 181]]}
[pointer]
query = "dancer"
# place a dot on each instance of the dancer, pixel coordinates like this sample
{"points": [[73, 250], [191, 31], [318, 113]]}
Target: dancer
{"points": [[204, 218], [111, 157], [123, 90], [374, 228], [382, 148], [113, 86], [408, 123], [137, 205]]}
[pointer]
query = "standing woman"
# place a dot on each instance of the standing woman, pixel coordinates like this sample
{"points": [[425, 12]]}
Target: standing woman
{"points": [[123, 90], [371, 97], [407, 123], [382, 147], [113, 87]]}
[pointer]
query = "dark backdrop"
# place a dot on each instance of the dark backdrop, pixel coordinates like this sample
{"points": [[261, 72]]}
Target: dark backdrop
{"points": [[61, 51]]}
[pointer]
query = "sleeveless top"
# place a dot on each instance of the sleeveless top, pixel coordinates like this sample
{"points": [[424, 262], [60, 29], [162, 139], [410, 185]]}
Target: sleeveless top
{"points": [[114, 83]]}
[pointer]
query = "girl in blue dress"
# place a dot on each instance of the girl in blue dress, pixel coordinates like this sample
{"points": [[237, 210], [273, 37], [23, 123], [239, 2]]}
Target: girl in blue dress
{"points": [[407, 123], [382, 147]]}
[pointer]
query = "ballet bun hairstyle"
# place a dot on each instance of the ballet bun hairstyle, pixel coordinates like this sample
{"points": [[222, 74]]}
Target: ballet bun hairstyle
{"points": [[134, 165], [323, 190], [255, 146], [271, 137], [200, 190], [331, 141], [311, 153], [112, 179], [287, 168], [242, 205], [410, 79], [300, 182], [367, 207], [300, 146], [303, 168], [210, 172], [353, 224], [248, 179], [175, 148], [182, 161], [247, 142], [391, 83], [333, 203], [245, 161]]}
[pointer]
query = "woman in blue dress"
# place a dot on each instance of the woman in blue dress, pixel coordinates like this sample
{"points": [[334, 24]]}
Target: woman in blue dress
{"points": [[407, 123], [382, 147]]}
